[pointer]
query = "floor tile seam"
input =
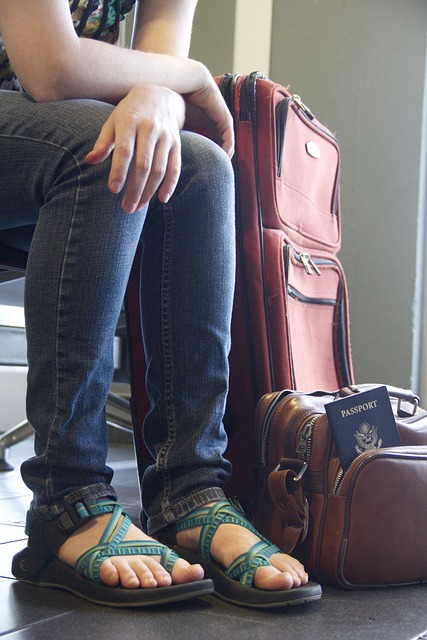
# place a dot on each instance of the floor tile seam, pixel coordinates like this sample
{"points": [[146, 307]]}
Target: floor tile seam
{"points": [[13, 541], [32, 625], [12, 495]]}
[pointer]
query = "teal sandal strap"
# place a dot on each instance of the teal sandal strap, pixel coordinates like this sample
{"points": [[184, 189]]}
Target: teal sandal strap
{"points": [[112, 544], [209, 519], [244, 566]]}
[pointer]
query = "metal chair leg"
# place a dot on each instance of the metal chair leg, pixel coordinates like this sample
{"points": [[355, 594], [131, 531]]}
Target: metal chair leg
{"points": [[118, 416], [7, 439]]}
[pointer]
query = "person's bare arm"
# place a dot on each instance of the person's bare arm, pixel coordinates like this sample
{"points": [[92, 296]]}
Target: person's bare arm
{"points": [[52, 62], [163, 26], [142, 133]]}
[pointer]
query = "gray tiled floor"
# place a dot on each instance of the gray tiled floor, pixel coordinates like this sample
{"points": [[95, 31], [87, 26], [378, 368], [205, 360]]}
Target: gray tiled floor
{"points": [[30, 613]]}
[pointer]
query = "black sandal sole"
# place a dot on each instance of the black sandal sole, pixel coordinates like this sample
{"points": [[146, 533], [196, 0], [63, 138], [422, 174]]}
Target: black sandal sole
{"points": [[56, 574], [231, 591]]}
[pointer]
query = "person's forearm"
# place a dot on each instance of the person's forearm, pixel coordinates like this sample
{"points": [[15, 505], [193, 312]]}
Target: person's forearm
{"points": [[52, 63], [103, 72]]}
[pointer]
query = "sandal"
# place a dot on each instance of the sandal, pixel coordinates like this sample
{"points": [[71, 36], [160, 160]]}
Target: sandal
{"points": [[37, 564], [235, 584]]}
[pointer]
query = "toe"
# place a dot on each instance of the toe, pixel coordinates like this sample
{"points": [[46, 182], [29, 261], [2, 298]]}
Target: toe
{"points": [[184, 572], [109, 573], [284, 563], [122, 572], [269, 578]]}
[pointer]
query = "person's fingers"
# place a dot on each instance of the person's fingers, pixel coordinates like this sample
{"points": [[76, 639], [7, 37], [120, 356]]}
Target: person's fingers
{"points": [[156, 166], [103, 146]]}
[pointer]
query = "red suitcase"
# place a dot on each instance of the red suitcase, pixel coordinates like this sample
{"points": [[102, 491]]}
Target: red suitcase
{"points": [[290, 320]]}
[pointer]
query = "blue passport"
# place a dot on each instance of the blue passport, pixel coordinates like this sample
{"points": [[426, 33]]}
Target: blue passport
{"points": [[362, 422]]}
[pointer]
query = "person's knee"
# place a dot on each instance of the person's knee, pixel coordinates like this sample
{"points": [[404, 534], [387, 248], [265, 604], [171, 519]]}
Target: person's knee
{"points": [[208, 164], [85, 119]]}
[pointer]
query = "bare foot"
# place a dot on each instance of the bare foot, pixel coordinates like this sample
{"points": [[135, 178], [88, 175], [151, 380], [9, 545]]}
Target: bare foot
{"points": [[131, 572], [231, 540]]}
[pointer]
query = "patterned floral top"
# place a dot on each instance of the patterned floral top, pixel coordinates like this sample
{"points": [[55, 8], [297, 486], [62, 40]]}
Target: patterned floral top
{"points": [[98, 19]]}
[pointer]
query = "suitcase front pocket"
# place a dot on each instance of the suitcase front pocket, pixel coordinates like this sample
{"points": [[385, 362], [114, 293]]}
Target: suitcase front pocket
{"points": [[307, 180], [315, 307]]}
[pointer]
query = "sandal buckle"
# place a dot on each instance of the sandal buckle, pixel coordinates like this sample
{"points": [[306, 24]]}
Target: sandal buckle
{"points": [[75, 515]]}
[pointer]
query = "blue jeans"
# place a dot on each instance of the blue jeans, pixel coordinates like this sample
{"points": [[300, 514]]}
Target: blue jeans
{"points": [[81, 247]]}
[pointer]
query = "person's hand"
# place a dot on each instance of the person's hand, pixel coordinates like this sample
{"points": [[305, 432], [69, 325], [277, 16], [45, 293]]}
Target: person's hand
{"points": [[142, 133], [207, 112]]}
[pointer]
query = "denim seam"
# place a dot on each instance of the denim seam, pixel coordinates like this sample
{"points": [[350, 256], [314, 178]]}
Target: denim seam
{"points": [[53, 432], [166, 333]]}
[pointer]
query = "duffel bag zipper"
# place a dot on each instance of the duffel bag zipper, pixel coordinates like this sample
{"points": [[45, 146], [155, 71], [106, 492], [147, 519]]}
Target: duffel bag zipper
{"points": [[306, 439], [303, 448], [338, 480], [365, 458], [265, 427], [341, 474]]}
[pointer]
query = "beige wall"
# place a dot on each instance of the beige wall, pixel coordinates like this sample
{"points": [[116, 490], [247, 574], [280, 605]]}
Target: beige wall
{"points": [[213, 35], [361, 67]]}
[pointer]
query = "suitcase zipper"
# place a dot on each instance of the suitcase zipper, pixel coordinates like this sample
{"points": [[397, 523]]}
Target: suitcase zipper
{"points": [[226, 86], [297, 295], [248, 97], [306, 260], [309, 265], [281, 117], [308, 112]]}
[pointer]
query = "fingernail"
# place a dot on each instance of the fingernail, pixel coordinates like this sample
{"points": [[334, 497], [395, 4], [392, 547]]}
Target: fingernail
{"points": [[128, 207], [115, 187]]}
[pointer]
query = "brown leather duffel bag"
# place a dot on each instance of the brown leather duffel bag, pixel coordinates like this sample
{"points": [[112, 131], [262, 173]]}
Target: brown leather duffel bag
{"points": [[362, 528]]}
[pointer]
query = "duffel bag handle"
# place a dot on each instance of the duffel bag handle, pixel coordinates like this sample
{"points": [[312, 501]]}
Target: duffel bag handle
{"points": [[285, 488], [401, 395]]}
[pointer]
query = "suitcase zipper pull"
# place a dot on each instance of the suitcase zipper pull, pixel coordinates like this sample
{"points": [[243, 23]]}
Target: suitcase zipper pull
{"points": [[308, 264], [305, 259], [302, 106], [315, 267]]}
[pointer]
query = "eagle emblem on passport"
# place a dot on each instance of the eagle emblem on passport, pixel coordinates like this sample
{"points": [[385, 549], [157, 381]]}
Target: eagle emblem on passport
{"points": [[367, 438]]}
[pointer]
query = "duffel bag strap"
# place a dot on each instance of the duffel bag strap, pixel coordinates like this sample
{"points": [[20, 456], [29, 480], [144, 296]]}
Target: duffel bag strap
{"points": [[285, 487]]}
